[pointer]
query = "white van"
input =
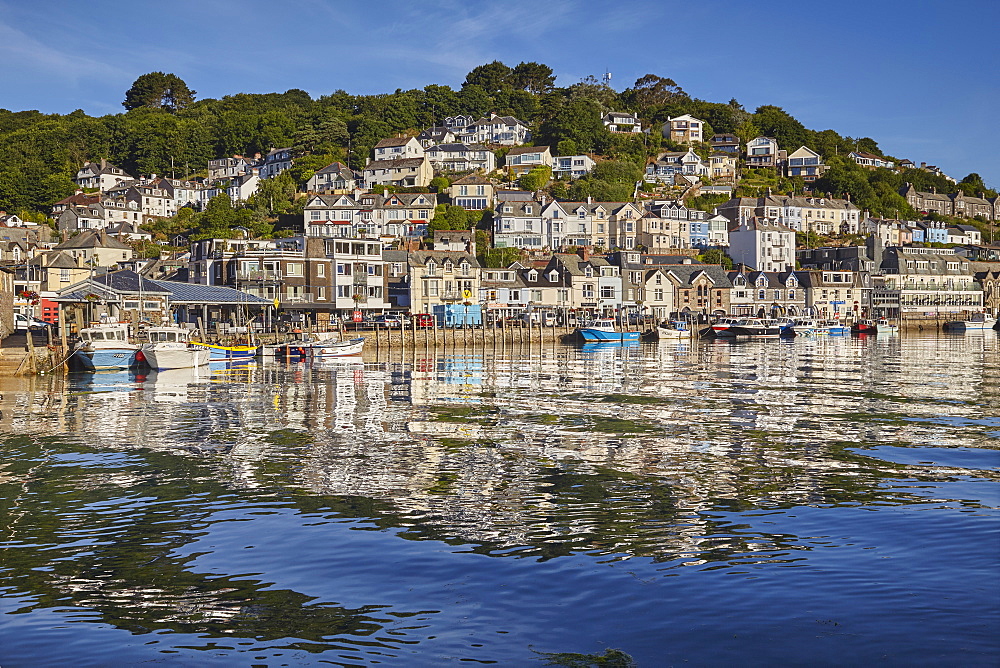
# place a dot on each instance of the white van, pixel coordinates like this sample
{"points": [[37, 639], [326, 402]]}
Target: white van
{"points": [[543, 318]]}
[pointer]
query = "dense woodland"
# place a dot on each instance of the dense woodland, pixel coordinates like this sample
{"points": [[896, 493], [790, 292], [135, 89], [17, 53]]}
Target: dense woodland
{"points": [[166, 130]]}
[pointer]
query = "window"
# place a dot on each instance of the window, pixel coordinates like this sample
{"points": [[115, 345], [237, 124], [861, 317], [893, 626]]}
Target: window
{"points": [[321, 270], [607, 292], [293, 269], [588, 290], [515, 295], [658, 294], [761, 294]]}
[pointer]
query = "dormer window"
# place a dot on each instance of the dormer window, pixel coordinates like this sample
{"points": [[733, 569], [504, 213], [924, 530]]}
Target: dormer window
{"points": [[431, 268], [465, 267], [553, 275], [449, 267], [588, 272], [532, 275]]}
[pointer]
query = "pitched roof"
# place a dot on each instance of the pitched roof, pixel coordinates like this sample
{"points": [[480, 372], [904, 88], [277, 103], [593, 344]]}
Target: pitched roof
{"points": [[520, 150], [93, 239], [472, 179], [394, 164], [393, 141]]}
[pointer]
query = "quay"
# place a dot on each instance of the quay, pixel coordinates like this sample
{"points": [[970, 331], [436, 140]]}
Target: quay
{"points": [[40, 353]]}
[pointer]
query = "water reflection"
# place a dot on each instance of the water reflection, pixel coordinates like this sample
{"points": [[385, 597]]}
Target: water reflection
{"points": [[131, 494]]}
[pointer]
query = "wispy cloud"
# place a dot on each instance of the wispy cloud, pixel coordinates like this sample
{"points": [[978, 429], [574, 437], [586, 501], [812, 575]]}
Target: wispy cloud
{"points": [[25, 56]]}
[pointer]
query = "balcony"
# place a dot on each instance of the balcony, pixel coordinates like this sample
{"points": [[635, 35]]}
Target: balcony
{"points": [[302, 298], [258, 275]]}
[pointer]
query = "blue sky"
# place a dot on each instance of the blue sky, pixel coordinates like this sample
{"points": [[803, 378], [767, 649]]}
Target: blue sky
{"points": [[921, 77]]}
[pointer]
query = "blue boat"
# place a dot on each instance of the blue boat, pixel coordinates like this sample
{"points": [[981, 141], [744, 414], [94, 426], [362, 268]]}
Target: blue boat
{"points": [[105, 346], [220, 353], [604, 330]]}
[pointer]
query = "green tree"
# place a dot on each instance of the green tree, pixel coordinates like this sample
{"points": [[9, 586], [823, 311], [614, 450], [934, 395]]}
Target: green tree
{"points": [[716, 256], [775, 122], [533, 77], [491, 77], [536, 179], [440, 184], [158, 90]]}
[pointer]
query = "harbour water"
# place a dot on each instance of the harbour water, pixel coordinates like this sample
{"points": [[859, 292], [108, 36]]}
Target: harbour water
{"points": [[807, 502]]}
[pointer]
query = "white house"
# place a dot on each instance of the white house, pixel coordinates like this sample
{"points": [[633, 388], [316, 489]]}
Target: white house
{"points": [[684, 129], [522, 159], [334, 178], [763, 245], [101, 176], [622, 122], [395, 148], [462, 158], [572, 166]]}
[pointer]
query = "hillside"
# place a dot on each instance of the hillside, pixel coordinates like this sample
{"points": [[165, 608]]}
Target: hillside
{"points": [[165, 130]]}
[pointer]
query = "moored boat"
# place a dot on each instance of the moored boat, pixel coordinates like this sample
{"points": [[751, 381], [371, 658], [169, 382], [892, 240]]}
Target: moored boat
{"points": [[233, 352], [169, 348], [975, 322], [864, 327], [756, 328], [330, 348], [836, 328], [885, 326], [603, 329], [807, 327], [104, 346]]}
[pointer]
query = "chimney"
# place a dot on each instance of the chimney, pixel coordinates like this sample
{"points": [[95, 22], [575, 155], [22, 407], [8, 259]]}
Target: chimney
{"points": [[584, 253], [385, 192], [104, 163], [590, 200], [923, 165]]}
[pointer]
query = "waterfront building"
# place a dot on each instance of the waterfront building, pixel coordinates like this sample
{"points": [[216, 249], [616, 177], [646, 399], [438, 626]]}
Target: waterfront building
{"points": [[765, 294], [925, 281], [836, 294]]}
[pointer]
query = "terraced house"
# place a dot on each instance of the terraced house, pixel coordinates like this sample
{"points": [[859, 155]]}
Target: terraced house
{"points": [[400, 215]]}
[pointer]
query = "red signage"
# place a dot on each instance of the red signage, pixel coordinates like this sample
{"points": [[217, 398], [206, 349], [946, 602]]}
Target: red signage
{"points": [[357, 316]]}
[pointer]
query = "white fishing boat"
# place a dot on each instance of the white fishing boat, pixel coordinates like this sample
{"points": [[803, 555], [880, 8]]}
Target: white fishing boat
{"points": [[330, 348], [678, 329], [170, 348]]}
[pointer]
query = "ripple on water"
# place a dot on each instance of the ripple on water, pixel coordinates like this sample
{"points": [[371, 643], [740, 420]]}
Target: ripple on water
{"points": [[683, 502]]}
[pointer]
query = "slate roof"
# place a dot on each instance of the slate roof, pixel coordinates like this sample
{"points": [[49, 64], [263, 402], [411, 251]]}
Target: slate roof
{"points": [[93, 239], [472, 180], [520, 150], [192, 293], [394, 164], [393, 141]]}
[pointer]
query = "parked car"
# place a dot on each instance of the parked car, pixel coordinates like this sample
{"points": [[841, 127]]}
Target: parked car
{"points": [[391, 320], [424, 320], [23, 322]]}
